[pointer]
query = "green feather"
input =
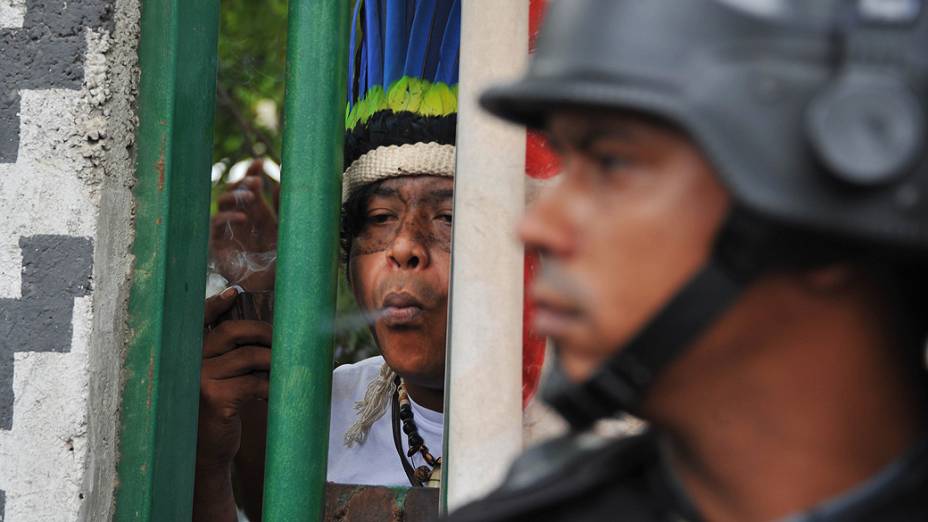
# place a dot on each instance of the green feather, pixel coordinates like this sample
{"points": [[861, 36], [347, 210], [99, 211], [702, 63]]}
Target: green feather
{"points": [[398, 95], [449, 102], [407, 94], [376, 100], [432, 103], [416, 88]]}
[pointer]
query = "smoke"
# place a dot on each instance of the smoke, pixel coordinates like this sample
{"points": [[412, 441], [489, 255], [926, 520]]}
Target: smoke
{"points": [[239, 195], [345, 323], [215, 283], [235, 250], [239, 265], [235, 258]]}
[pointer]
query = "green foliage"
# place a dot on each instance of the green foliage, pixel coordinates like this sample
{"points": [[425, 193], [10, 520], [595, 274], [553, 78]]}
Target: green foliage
{"points": [[252, 64], [252, 60]]}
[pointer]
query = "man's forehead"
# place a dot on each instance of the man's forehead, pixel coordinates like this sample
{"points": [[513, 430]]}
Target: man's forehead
{"points": [[416, 187]]}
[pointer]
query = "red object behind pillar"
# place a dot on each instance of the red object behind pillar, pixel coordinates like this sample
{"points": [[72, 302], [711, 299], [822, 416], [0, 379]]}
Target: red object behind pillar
{"points": [[540, 163]]}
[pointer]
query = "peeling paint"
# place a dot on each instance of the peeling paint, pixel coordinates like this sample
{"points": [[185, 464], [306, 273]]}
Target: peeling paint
{"points": [[159, 165], [151, 380]]}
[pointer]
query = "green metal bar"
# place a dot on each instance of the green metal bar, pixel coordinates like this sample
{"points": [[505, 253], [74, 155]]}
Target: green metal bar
{"points": [[307, 265], [157, 446]]}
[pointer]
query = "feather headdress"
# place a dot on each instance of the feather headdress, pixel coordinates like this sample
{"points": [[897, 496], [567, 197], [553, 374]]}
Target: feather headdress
{"points": [[402, 90]]}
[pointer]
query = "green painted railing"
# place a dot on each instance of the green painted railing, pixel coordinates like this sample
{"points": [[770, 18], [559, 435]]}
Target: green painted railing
{"points": [[307, 265], [177, 57]]}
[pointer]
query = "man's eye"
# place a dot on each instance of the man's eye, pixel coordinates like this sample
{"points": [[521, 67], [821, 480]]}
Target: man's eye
{"points": [[445, 217], [380, 219]]}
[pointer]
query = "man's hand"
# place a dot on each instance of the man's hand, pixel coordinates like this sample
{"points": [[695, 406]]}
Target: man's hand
{"points": [[236, 363], [243, 240]]}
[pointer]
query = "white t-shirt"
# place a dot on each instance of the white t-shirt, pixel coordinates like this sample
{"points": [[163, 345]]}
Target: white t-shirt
{"points": [[376, 461]]}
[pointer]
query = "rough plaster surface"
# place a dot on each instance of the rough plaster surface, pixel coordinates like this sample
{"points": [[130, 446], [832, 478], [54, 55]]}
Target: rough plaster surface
{"points": [[116, 94], [45, 52], [67, 184]]}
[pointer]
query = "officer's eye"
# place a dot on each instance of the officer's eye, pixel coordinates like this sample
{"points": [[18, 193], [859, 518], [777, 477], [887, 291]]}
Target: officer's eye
{"points": [[445, 217], [611, 162], [555, 145]]}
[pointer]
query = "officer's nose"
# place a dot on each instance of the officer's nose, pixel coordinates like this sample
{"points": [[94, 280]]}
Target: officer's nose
{"points": [[545, 228]]}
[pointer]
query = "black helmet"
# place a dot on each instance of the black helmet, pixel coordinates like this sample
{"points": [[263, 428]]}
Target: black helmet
{"points": [[812, 111]]}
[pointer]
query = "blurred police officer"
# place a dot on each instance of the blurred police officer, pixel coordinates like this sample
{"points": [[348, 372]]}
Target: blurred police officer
{"points": [[735, 253]]}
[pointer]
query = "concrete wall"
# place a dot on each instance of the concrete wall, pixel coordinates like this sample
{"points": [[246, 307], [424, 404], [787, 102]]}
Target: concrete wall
{"points": [[67, 120]]}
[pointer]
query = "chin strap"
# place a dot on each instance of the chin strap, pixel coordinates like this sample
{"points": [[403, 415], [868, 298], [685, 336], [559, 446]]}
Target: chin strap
{"points": [[622, 383]]}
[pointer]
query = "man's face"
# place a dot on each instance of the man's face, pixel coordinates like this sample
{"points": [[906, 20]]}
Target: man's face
{"points": [[400, 264], [631, 220]]}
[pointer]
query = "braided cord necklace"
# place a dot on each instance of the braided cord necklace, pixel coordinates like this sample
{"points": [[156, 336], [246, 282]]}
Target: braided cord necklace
{"points": [[424, 476]]}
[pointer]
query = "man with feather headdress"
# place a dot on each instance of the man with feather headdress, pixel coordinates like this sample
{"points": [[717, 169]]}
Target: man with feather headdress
{"points": [[386, 424]]}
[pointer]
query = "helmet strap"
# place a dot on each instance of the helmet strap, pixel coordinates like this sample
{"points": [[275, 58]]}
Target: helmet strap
{"points": [[622, 383]]}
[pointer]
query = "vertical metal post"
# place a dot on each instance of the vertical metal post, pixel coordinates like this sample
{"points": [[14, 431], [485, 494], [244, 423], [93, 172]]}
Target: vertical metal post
{"points": [[483, 370], [307, 265], [157, 441]]}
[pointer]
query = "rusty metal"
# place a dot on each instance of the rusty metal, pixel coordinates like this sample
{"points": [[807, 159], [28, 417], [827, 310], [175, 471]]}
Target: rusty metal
{"points": [[349, 503]]}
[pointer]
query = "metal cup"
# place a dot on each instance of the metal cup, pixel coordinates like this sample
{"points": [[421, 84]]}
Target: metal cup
{"points": [[251, 306]]}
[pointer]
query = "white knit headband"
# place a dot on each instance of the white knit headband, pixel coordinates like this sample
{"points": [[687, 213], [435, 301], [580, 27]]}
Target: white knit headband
{"points": [[413, 159]]}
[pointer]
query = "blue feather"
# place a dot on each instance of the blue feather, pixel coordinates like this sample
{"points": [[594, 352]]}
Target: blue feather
{"points": [[396, 33], [353, 56], [450, 47], [419, 35], [373, 43], [410, 14], [383, 30], [442, 8], [362, 81]]}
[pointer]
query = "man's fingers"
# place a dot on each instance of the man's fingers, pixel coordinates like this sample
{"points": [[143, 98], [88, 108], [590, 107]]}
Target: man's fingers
{"points": [[219, 303], [254, 386], [255, 169], [236, 199], [224, 396], [230, 216], [240, 361], [229, 335]]}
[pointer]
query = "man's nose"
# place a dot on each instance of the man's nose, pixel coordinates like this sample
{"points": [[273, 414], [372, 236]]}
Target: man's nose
{"points": [[407, 250]]}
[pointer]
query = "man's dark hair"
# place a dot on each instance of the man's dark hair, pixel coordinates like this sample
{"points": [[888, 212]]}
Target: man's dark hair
{"points": [[353, 215]]}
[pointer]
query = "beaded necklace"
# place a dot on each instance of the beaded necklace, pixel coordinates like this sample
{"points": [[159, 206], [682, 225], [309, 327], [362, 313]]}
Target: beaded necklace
{"points": [[424, 476]]}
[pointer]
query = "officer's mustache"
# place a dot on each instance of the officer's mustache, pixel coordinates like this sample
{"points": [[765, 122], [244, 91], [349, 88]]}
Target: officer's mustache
{"points": [[554, 279]]}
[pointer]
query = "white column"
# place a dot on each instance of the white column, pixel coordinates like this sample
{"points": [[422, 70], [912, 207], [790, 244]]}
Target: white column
{"points": [[483, 377]]}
